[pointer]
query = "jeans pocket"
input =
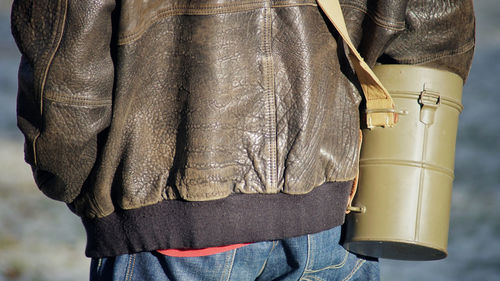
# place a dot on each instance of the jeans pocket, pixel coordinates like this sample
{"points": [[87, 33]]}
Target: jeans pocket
{"points": [[325, 252], [328, 260]]}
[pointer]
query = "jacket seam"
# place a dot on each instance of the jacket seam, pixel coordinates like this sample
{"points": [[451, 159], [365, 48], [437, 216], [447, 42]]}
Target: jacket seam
{"points": [[270, 96], [286, 3], [378, 19], [58, 34], [188, 11], [76, 100], [447, 53], [210, 166], [200, 11]]}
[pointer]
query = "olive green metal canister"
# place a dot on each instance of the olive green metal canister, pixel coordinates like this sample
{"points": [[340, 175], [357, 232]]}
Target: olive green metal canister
{"points": [[406, 172]]}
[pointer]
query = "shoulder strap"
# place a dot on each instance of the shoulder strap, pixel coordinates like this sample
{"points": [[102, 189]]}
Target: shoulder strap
{"points": [[379, 105]]}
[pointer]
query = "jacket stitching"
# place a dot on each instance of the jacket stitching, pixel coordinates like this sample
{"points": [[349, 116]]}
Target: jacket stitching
{"points": [[75, 100], [210, 179], [195, 196], [379, 19], [286, 3], [60, 30], [206, 10], [211, 165], [58, 34], [187, 10], [460, 50], [271, 101], [293, 3], [363, 8]]}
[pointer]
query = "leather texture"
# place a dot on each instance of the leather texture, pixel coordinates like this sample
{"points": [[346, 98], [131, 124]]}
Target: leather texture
{"points": [[127, 103]]}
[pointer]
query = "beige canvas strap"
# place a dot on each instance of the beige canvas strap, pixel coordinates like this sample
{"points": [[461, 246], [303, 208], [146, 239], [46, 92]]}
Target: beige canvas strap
{"points": [[354, 187], [379, 105]]}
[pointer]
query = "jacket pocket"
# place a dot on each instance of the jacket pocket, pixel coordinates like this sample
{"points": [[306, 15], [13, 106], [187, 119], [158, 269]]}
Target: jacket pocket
{"points": [[66, 148]]}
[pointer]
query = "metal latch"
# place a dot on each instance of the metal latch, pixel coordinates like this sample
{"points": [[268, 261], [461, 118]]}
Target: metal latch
{"points": [[429, 101]]}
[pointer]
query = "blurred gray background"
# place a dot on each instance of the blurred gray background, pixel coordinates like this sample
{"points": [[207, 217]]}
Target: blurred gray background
{"points": [[41, 240]]}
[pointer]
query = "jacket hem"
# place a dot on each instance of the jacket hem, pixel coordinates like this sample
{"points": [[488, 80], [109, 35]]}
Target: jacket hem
{"points": [[239, 218]]}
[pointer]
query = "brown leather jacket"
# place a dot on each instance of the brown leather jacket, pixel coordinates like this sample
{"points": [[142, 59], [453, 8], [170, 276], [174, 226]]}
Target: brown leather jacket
{"points": [[128, 103]]}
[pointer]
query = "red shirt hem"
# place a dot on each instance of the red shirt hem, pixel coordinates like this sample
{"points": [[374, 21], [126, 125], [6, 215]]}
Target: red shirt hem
{"points": [[200, 252]]}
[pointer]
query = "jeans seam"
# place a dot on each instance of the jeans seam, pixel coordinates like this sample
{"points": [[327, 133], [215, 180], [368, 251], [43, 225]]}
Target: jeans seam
{"points": [[231, 264], [97, 270], [310, 278], [359, 263], [334, 266], [130, 268], [99, 266], [309, 258], [265, 261]]}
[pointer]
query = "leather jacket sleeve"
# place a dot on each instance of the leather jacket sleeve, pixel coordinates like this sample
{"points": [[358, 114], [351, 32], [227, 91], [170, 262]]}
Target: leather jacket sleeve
{"points": [[434, 33], [65, 87]]}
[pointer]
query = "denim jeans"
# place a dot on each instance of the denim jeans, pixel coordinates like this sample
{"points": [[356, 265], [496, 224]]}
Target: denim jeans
{"points": [[310, 257]]}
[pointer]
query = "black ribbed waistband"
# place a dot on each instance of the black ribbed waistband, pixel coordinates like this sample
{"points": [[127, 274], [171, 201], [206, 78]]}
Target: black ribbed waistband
{"points": [[236, 219]]}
